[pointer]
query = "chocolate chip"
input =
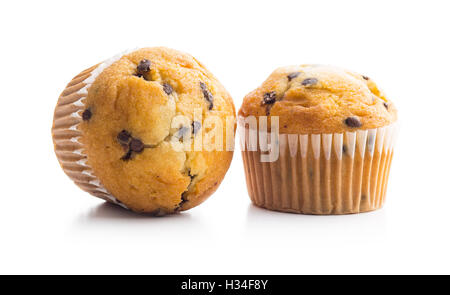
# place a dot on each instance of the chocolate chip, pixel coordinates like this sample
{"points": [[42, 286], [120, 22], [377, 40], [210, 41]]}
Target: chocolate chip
{"points": [[124, 137], [127, 156], [207, 95], [196, 126], [143, 67], [344, 148], [136, 145], [87, 114], [353, 122], [365, 77], [269, 97], [167, 88], [309, 81], [181, 132], [386, 105], [293, 75]]}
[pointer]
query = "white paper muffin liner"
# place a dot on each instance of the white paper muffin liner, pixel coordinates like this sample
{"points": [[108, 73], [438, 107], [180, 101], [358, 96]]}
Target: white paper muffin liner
{"points": [[338, 173], [66, 135]]}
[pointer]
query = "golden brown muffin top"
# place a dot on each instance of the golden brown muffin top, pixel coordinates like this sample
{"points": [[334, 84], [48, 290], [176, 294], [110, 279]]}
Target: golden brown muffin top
{"points": [[128, 128], [319, 99]]}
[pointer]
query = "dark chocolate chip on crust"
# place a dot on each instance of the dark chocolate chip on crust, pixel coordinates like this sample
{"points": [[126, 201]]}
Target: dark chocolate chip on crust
{"points": [[207, 95], [130, 144], [386, 105], [269, 97], [136, 145], [293, 75], [181, 132], [87, 114], [353, 122], [365, 77], [127, 156], [143, 67], [344, 149], [167, 88], [310, 81], [196, 126], [124, 137]]}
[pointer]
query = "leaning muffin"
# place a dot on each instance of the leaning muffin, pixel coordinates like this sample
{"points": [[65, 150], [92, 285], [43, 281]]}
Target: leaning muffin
{"points": [[124, 130], [329, 142]]}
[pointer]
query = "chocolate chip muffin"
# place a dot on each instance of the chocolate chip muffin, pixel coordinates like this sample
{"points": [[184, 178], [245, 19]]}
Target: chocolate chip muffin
{"points": [[330, 140], [125, 130]]}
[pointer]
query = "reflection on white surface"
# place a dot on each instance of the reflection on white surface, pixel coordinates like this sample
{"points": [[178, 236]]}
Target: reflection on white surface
{"points": [[315, 230], [368, 223], [107, 214], [110, 211]]}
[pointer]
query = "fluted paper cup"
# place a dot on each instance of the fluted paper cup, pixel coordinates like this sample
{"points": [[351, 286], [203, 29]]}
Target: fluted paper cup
{"points": [[338, 173], [68, 139]]}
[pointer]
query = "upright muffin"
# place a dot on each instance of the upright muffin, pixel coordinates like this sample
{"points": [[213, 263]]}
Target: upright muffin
{"points": [[332, 147], [115, 133]]}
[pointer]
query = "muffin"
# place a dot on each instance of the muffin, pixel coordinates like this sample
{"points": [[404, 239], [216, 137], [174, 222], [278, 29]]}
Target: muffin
{"points": [[329, 141], [124, 130]]}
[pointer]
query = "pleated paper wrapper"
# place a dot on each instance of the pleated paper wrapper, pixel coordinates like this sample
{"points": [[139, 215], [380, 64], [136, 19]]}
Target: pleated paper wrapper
{"points": [[338, 173], [67, 138]]}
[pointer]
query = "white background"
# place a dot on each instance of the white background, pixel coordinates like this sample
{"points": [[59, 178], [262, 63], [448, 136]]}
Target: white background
{"points": [[49, 226]]}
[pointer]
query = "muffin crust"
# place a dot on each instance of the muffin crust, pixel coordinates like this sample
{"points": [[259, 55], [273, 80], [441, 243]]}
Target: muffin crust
{"points": [[313, 99], [127, 130]]}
